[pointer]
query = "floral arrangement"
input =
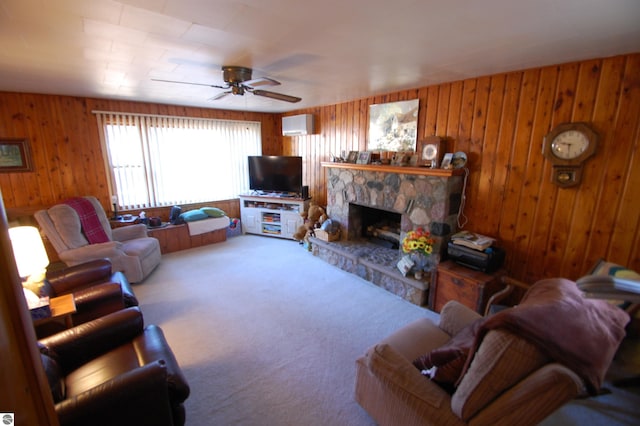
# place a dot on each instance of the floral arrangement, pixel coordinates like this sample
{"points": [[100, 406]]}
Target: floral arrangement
{"points": [[418, 241]]}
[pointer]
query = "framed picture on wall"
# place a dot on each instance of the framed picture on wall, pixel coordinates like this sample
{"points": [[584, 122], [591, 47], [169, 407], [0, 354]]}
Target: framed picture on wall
{"points": [[364, 157], [393, 126], [15, 156]]}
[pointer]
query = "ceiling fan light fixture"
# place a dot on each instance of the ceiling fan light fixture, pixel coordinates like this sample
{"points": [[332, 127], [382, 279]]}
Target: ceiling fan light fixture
{"points": [[238, 81], [233, 74]]}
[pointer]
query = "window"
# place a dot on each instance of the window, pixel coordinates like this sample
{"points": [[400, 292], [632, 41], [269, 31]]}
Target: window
{"points": [[157, 161]]}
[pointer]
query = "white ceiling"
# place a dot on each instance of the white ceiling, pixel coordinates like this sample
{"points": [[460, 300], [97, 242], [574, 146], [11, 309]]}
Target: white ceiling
{"points": [[324, 51]]}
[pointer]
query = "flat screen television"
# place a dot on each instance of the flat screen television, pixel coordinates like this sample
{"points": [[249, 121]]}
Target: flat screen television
{"points": [[280, 174]]}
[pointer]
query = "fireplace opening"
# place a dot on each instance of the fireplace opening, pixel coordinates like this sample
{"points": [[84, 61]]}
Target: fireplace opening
{"points": [[378, 226]]}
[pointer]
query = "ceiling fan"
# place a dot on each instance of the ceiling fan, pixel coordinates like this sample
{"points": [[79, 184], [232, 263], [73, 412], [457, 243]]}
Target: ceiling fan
{"points": [[238, 81]]}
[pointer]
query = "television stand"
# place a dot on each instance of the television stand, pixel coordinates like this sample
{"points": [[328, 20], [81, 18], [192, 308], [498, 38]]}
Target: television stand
{"points": [[271, 215], [275, 194]]}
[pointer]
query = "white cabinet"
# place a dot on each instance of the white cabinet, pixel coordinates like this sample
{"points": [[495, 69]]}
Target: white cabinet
{"points": [[270, 215]]}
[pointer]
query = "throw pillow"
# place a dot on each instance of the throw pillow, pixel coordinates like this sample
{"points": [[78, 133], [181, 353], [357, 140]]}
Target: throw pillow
{"points": [[193, 215], [450, 358], [213, 211]]}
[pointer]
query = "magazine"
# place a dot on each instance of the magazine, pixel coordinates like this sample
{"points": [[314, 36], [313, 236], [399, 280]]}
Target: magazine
{"points": [[472, 240], [611, 281]]}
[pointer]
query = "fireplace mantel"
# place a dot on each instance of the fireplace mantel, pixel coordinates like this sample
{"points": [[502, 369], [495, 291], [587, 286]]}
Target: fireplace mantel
{"points": [[423, 171]]}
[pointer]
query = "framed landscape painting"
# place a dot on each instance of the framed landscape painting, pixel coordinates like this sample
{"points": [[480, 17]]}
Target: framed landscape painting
{"points": [[15, 156], [393, 126]]}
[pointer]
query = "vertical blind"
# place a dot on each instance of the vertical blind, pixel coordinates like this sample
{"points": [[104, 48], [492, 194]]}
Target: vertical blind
{"points": [[157, 161]]}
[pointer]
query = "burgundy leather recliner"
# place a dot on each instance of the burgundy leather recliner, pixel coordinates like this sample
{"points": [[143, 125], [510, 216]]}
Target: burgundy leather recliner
{"points": [[96, 290], [114, 370]]}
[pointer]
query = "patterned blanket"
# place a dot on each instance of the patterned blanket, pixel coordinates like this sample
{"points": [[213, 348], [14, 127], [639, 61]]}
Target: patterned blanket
{"points": [[91, 226]]}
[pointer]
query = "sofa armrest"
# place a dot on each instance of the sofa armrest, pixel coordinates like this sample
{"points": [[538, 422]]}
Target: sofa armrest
{"points": [[154, 346], [78, 345], [455, 316], [390, 367], [139, 396], [534, 398], [97, 301], [130, 232], [65, 280], [109, 250]]}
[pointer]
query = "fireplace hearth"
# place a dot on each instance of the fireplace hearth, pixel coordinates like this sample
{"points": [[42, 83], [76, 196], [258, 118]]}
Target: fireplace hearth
{"points": [[375, 207]]}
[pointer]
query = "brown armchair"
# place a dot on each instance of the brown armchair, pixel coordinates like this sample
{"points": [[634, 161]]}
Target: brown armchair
{"points": [[96, 290], [501, 378], [114, 370]]}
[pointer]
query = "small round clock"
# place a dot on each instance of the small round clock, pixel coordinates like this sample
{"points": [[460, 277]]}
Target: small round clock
{"points": [[567, 146], [570, 144], [430, 152]]}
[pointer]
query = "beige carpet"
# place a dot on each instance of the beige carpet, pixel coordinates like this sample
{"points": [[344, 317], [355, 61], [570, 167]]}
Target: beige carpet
{"points": [[268, 334]]}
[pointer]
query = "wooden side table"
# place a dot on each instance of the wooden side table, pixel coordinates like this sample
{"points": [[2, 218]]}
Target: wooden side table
{"points": [[472, 288], [62, 308]]}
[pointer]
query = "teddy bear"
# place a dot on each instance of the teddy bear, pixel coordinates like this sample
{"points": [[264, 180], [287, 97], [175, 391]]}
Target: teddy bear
{"points": [[312, 218]]}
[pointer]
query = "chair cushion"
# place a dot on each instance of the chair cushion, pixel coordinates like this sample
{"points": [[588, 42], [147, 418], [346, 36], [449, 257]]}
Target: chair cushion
{"points": [[67, 223], [101, 369], [140, 247], [502, 360]]}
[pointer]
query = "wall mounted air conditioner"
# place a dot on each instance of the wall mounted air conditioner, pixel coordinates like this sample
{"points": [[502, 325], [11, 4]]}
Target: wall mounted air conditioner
{"points": [[296, 125]]}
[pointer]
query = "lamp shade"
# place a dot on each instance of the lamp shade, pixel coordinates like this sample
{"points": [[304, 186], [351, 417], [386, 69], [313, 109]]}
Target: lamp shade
{"points": [[28, 250]]}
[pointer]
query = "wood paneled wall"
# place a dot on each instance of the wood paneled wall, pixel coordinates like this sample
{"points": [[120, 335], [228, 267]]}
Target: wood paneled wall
{"points": [[500, 122], [65, 146]]}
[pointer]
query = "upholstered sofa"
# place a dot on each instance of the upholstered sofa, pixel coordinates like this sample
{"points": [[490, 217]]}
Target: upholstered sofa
{"points": [[114, 371], [501, 378], [129, 248]]}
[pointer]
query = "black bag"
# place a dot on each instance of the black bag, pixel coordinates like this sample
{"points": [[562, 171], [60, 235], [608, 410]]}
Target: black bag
{"points": [[174, 215]]}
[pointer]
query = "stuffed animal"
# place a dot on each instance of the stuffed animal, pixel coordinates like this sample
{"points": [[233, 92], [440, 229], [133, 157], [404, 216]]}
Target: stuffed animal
{"points": [[312, 218]]}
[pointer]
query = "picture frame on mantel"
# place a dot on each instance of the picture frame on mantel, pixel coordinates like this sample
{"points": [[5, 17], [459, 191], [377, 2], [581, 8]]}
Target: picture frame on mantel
{"points": [[364, 157], [429, 152], [15, 156]]}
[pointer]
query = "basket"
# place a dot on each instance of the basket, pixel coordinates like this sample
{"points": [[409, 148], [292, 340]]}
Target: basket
{"points": [[325, 236]]}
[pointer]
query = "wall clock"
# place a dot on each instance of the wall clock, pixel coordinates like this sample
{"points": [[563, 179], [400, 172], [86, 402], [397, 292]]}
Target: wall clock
{"points": [[429, 152], [568, 146]]}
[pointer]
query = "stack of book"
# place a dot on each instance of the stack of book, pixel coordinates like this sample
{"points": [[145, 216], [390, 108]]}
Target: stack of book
{"points": [[472, 240], [611, 281]]}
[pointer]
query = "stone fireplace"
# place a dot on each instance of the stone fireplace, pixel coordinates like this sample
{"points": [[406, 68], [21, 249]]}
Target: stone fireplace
{"points": [[360, 196]]}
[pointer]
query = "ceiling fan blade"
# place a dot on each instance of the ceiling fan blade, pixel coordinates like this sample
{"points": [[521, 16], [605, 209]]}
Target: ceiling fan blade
{"points": [[263, 81], [220, 96], [187, 82], [278, 96]]}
